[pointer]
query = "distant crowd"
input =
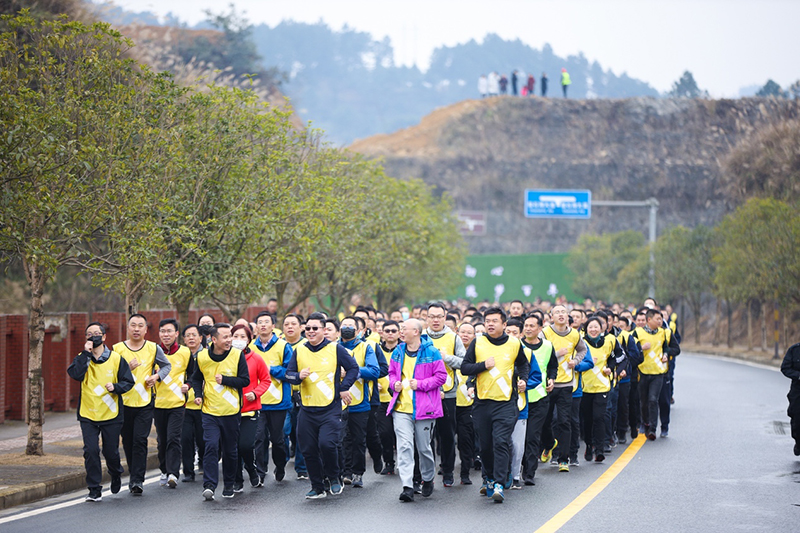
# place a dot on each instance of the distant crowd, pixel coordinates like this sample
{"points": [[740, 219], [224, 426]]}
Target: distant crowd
{"points": [[495, 84]]}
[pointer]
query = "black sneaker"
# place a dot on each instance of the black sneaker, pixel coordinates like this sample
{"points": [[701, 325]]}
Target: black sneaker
{"points": [[516, 485], [280, 474], [188, 478], [407, 495], [651, 435], [529, 481], [417, 488], [622, 439], [347, 479], [358, 482], [797, 449], [301, 476], [137, 489], [255, 482], [664, 433], [427, 488], [95, 495], [465, 480], [448, 480], [634, 433], [588, 454], [227, 492], [476, 464], [378, 465], [116, 484], [599, 458], [388, 470], [237, 488], [208, 494]]}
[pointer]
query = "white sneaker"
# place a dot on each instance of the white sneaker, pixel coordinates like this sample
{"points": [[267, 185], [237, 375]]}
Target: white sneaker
{"points": [[163, 480], [172, 481]]}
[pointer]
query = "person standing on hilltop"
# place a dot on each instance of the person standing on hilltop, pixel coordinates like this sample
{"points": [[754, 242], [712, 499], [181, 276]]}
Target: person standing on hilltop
{"points": [[565, 81], [544, 83], [503, 84], [514, 80], [531, 84], [483, 86], [494, 86]]}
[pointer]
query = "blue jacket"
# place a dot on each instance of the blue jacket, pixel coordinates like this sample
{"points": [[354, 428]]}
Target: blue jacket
{"points": [[383, 364], [370, 373], [583, 366], [534, 380], [279, 372]]}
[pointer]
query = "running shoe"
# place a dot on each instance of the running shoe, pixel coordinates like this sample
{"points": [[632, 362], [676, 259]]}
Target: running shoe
{"points": [[563, 467], [548, 454]]}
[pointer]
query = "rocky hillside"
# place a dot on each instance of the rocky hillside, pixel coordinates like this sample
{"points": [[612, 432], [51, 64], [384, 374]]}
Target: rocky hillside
{"points": [[485, 153]]}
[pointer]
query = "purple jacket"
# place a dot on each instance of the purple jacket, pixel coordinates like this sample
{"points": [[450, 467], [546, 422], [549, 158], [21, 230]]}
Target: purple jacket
{"points": [[430, 374]]}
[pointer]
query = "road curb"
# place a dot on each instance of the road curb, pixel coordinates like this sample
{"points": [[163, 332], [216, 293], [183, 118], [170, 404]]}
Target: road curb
{"points": [[13, 497]]}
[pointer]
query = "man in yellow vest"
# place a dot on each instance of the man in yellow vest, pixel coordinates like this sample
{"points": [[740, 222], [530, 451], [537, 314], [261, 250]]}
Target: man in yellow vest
{"points": [[502, 371], [538, 398], [658, 344], [170, 400], [570, 350], [105, 377], [143, 357], [316, 367], [391, 337], [276, 402], [221, 375], [453, 351]]}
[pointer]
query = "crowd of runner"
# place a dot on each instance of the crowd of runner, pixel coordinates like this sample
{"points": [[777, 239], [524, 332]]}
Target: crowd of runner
{"points": [[504, 388]]}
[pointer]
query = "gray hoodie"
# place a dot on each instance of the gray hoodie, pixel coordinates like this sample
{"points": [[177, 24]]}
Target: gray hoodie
{"points": [[452, 361]]}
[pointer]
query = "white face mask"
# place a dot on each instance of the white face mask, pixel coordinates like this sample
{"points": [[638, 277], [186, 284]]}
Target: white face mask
{"points": [[239, 344]]}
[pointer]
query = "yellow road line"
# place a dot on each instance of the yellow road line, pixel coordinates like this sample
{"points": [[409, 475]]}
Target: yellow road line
{"points": [[575, 506]]}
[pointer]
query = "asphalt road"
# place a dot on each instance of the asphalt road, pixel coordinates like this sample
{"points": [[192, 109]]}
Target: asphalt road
{"points": [[726, 466]]}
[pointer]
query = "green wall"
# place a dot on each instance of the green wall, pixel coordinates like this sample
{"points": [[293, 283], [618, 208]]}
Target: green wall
{"points": [[484, 273]]}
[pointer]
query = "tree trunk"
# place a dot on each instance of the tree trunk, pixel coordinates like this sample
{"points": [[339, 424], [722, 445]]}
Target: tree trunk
{"points": [[750, 325], [34, 386], [717, 322], [729, 308], [182, 309], [763, 326], [134, 290], [697, 310]]}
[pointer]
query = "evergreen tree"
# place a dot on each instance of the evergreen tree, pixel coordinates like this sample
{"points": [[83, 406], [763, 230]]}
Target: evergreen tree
{"points": [[686, 87]]}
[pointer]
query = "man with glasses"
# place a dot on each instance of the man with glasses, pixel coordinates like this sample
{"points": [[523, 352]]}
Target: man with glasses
{"points": [[170, 401], [391, 338], [316, 367], [453, 351], [105, 377], [276, 402]]}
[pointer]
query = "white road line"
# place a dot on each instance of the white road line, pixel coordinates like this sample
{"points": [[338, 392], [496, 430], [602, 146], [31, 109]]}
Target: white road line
{"points": [[82, 499], [734, 360]]}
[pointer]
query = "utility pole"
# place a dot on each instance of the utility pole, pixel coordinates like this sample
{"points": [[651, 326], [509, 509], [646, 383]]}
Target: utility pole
{"points": [[652, 203]]}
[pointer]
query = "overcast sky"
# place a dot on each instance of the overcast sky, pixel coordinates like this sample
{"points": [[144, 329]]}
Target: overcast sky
{"points": [[726, 44]]}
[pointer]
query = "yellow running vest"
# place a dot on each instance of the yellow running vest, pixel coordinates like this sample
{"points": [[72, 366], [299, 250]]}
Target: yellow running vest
{"points": [[219, 400], [496, 384], [359, 390], [593, 379], [318, 389], [272, 357], [446, 344], [405, 400], [542, 354], [652, 356], [97, 404], [570, 341], [139, 395], [463, 399], [168, 391]]}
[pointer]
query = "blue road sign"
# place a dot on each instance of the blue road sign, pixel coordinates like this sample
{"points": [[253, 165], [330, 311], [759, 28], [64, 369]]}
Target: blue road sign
{"points": [[552, 203]]}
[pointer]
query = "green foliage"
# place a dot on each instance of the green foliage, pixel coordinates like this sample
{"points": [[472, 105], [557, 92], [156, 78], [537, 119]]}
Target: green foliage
{"points": [[205, 193], [612, 267], [771, 88], [686, 87], [758, 252]]}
